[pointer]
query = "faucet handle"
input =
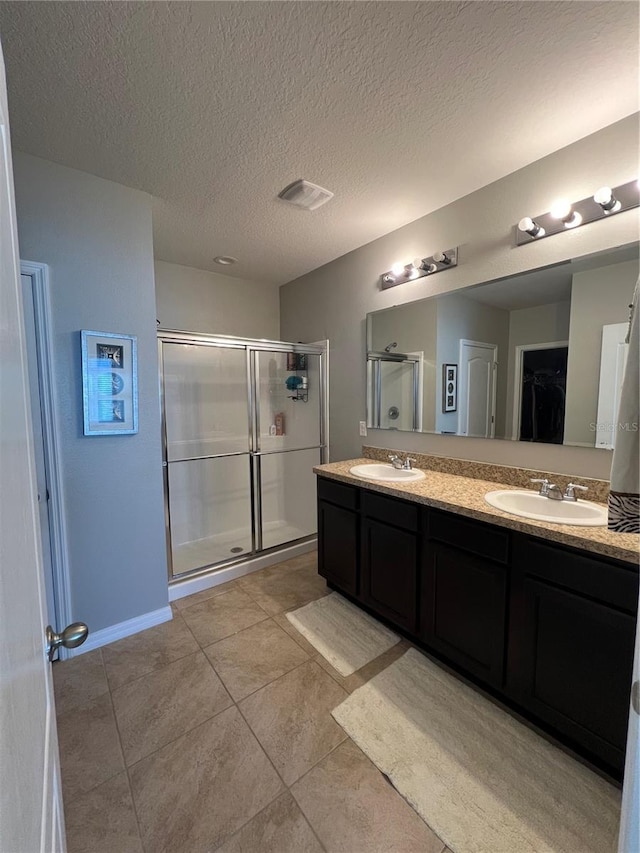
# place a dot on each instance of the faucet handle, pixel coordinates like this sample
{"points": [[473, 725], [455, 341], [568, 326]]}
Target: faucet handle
{"points": [[545, 485], [570, 491], [407, 463]]}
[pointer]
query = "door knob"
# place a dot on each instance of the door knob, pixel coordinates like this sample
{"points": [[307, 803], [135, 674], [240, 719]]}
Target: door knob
{"points": [[73, 636]]}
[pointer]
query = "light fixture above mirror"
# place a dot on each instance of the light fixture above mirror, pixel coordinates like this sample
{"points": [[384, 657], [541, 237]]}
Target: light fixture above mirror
{"points": [[563, 214], [419, 268]]}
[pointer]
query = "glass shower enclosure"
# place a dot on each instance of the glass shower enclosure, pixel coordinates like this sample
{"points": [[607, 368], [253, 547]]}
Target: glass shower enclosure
{"points": [[244, 422]]}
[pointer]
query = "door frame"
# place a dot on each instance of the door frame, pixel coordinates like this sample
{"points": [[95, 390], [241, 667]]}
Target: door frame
{"points": [[517, 379], [463, 411], [39, 275]]}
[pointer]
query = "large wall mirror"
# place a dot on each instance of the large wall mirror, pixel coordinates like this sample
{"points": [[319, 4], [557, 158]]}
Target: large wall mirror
{"points": [[536, 357]]}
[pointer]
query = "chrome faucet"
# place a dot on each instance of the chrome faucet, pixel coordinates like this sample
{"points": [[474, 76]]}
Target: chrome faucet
{"points": [[554, 493], [545, 485], [570, 492], [399, 464]]}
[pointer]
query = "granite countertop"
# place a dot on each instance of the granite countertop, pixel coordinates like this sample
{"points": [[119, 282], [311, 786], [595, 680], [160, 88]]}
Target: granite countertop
{"points": [[465, 496]]}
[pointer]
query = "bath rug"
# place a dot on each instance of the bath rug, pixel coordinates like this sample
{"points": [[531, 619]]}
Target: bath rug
{"points": [[479, 778], [342, 633]]}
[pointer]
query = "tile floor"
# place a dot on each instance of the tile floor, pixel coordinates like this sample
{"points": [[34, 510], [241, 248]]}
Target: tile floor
{"points": [[213, 732]]}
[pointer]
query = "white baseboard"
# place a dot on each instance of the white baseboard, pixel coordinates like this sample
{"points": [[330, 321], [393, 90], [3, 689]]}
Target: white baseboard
{"points": [[189, 586], [104, 636]]}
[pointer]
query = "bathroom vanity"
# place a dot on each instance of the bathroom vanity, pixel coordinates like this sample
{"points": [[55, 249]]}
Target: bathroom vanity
{"points": [[540, 616]]}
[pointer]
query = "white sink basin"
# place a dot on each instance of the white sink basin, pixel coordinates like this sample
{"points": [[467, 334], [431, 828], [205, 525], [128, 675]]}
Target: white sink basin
{"points": [[384, 471], [533, 505]]}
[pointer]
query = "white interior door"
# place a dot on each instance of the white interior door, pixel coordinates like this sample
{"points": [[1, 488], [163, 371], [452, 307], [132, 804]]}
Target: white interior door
{"points": [[613, 358], [477, 389], [30, 802]]}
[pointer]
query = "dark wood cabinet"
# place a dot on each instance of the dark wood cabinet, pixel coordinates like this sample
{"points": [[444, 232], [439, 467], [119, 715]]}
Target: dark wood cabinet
{"points": [[463, 610], [577, 627], [390, 555], [338, 536], [546, 628], [463, 603], [390, 572]]}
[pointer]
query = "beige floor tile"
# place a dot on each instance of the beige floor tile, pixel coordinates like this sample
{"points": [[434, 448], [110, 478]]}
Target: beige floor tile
{"points": [[281, 620], [194, 793], [134, 656], [221, 616], [252, 658], [282, 587], [78, 679], [291, 717], [103, 820], [89, 745], [204, 595], [280, 828], [165, 703], [353, 809], [367, 672]]}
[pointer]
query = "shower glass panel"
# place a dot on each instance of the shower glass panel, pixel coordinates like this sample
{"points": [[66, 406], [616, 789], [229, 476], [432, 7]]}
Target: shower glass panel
{"points": [[210, 511], [288, 496], [245, 423], [206, 411], [205, 398], [289, 400]]}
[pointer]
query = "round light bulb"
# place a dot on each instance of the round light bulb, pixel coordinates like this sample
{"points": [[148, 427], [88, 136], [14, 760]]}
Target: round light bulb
{"points": [[603, 195], [526, 224], [397, 269], [575, 220], [432, 268], [560, 209], [415, 272], [417, 263]]}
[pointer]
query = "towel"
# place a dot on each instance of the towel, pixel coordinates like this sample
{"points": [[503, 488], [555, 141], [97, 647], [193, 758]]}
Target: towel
{"points": [[624, 499]]}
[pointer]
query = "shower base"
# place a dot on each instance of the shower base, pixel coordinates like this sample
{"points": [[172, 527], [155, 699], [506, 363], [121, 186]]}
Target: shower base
{"points": [[235, 544]]}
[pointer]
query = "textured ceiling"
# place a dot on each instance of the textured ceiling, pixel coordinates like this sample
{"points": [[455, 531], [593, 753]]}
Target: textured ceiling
{"points": [[397, 107]]}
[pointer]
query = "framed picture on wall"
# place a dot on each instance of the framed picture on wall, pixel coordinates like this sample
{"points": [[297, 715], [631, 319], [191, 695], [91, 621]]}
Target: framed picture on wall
{"points": [[109, 383], [449, 387]]}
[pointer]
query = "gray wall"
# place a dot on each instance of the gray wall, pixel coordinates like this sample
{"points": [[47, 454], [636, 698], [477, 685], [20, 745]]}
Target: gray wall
{"points": [[465, 319], [199, 301], [598, 297], [542, 324], [332, 301], [95, 236]]}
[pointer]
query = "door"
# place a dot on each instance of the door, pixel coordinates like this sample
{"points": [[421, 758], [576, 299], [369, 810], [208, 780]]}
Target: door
{"points": [[30, 801], [477, 389], [289, 443], [208, 463], [38, 445], [613, 359]]}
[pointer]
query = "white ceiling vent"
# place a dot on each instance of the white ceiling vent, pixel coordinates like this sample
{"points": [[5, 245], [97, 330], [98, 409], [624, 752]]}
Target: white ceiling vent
{"points": [[305, 194]]}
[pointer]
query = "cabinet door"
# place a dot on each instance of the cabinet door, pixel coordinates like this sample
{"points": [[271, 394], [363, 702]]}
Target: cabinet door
{"points": [[390, 572], [577, 662], [463, 610], [338, 546]]}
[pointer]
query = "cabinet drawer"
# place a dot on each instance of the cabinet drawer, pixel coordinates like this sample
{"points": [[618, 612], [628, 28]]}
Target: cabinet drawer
{"points": [[476, 537], [594, 576], [337, 493], [391, 511]]}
